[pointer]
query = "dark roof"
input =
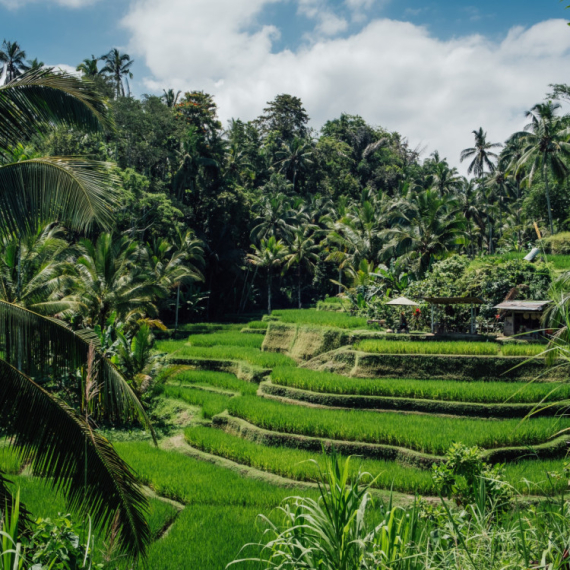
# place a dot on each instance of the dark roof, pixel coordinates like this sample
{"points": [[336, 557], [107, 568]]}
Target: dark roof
{"points": [[523, 306], [454, 300]]}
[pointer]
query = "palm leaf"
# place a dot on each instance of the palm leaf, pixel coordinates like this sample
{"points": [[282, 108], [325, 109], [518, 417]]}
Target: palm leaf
{"points": [[40, 347], [42, 98], [83, 465], [55, 188]]}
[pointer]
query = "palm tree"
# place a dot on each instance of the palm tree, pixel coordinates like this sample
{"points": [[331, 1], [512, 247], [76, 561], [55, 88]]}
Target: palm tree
{"points": [[14, 60], [294, 157], [36, 272], [89, 67], [511, 157], [270, 255], [275, 217], [115, 277], [34, 64], [545, 147], [481, 154], [118, 66], [302, 253], [427, 225], [170, 98], [446, 180], [59, 443]]}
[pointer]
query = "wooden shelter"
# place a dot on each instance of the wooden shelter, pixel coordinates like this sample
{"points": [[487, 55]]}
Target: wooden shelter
{"points": [[473, 301], [522, 316]]}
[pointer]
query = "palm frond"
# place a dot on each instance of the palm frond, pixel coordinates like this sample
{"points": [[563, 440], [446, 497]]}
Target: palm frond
{"points": [[75, 190], [82, 464], [40, 346], [42, 98]]}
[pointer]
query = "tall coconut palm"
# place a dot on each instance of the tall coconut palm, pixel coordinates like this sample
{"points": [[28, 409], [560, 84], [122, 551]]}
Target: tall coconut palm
{"points": [[545, 147], [14, 60], [89, 67], [115, 277], [170, 98], [427, 226], [34, 64], [270, 256], [511, 157], [59, 443], [481, 154], [302, 254], [446, 180], [294, 157], [118, 66]]}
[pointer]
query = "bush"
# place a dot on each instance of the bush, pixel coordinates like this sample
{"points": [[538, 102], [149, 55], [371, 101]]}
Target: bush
{"points": [[558, 244]]}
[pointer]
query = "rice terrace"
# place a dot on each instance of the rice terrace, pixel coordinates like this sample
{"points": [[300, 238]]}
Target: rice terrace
{"points": [[284, 285]]}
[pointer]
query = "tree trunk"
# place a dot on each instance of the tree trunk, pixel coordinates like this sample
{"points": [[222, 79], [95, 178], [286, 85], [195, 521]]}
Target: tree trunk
{"points": [[177, 307], [548, 198], [299, 290], [269, 295], [519, 212], [339, 280]]}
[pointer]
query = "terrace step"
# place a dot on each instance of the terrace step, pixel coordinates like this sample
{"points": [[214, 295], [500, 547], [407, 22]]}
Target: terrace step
{"points": [[425, 406]]}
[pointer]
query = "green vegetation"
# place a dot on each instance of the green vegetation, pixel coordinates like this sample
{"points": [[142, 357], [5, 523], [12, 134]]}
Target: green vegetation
{"points": [[448, 347], [216, 379], [452, 391], [234, 338], [321, 318], [212, 403], [260, 325], [251, 355], [424, 433]]}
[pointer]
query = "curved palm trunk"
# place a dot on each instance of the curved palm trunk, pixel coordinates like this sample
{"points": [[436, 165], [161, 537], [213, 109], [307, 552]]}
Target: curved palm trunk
{"points": [[547, 191]]}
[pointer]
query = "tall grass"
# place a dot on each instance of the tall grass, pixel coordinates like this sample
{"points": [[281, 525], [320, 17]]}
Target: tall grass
{"points": [[210, 402], [522, 349], [446, 390], [259, 325], [222, 380], [232, 338], [430, 434], [322, 318], [295, 463], [251, 355]]}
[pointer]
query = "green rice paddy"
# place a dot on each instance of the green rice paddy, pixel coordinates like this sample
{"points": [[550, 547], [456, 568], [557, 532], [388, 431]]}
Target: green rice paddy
{"points": [[221, 380], [450, 390], [212, 403], [424, 433], [233, 338], [250, 355], [321, 318]]}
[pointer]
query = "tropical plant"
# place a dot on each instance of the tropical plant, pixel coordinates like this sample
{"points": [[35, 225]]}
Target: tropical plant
{"points": [[118, 66], [270, 255], [426, 226], [13, 58], [89, 67], [170, 98], [294, 157], [546, 147], [59, 443], [481, 154], [302, 254], [114, 276]]}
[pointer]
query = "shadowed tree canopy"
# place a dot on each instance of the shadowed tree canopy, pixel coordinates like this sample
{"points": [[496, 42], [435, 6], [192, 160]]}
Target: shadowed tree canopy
{"points": [[286, 117]]}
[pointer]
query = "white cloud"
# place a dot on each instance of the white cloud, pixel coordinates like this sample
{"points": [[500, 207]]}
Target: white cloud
{"points": [[328, 23], [13, 4], [394, 74]]}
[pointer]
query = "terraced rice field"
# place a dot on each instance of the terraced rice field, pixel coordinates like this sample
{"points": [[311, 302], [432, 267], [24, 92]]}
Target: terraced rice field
{"points": [[321, 318], [448, 347], [450, 391], [218, 507]]}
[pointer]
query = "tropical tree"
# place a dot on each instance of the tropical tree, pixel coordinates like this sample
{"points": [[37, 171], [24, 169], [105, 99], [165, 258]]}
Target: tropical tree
{"points": [[427, 225], [114, 277], [60, 444], [270, 256], [14, 60], [481, 154], [302, 254], [170, 98], [294, 157], [36, 272], [34, 64], [118, 66], [89, 67], [545, 147], [275, 217]]}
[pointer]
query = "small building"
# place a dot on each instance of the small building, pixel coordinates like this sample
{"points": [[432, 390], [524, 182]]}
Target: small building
{"points": [[522, 316]]}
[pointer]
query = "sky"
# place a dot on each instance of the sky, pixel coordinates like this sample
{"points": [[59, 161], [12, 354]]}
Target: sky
{"points": [[433, 70]]}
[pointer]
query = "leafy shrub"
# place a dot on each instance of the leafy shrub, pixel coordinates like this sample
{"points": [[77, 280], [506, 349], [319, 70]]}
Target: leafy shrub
{"points": [[558, 244]]}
